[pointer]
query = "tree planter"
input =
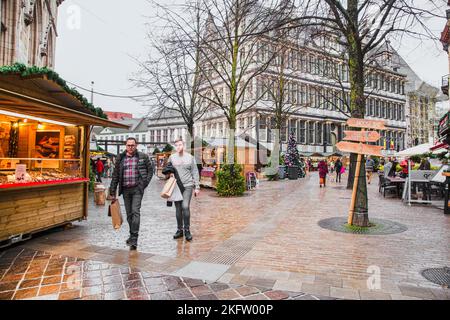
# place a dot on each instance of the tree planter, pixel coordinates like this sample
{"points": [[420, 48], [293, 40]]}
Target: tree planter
{"points": [[282, 172], [293, 172]]}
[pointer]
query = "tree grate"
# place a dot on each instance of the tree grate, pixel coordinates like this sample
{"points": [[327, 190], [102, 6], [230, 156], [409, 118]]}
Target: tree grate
{"points": [[440, 276], [380, 226]]}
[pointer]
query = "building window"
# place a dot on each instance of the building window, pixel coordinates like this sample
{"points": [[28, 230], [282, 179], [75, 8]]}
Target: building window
{"points": [[311, 131], [319, 132], [293, 127], [302, 132], [377, 108], [158, 136], [263, 128]]}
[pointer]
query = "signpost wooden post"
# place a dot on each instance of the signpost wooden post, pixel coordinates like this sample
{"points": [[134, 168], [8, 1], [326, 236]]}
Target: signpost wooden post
{"points": [[360, 148]]}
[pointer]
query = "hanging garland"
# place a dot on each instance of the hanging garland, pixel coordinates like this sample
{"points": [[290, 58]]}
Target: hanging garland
{"points": [[24, 71], [13, 147]]}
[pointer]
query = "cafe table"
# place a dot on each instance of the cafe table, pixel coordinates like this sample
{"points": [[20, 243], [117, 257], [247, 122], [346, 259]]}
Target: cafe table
{"points": [[398, 181]]}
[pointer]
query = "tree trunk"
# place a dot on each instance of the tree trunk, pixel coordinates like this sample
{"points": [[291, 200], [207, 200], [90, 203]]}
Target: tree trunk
{"points": [[357, 108]]}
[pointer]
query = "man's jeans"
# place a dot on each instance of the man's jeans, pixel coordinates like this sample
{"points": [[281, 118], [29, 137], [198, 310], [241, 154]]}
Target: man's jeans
{"points": [[183, 211], [133, 199]]}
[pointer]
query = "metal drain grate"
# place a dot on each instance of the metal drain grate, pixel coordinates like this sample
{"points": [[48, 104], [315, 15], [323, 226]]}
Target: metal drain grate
{"points": [[440, 276]]}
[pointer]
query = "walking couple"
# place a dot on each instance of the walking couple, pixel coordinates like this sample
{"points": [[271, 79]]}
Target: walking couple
{"points": [[132, 174]]}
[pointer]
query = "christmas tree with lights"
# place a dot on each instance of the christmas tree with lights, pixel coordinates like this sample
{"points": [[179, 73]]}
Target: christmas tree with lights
{"points": [[292, 157]]}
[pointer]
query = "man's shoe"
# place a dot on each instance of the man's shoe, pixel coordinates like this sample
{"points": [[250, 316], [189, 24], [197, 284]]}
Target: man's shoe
{"points": [[179, 234], [133, 247], [128, 242], [188, 235]]}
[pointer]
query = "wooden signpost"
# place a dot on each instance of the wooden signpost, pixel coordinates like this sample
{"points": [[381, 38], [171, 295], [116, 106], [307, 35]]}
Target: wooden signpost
{"points": [[360, 148]]}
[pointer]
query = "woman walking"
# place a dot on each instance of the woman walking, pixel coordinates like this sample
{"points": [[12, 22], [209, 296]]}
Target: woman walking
{"points": [[338, 166], [184, 168], [323, 171]]}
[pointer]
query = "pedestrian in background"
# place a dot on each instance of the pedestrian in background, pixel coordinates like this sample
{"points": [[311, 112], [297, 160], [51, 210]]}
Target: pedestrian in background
{"points": [[99, 167], [323, 171], [370, 167], [338, 166]]}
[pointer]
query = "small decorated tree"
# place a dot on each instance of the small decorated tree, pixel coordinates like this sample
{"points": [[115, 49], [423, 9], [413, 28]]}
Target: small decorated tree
{"points": [[292, 157]]}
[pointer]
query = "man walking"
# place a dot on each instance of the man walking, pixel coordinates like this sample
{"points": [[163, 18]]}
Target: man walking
{"points": [[370, 167], [132, 174], [99, 167]]}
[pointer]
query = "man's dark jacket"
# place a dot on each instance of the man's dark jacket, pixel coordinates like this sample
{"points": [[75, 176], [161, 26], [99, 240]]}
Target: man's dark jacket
{"points": [[145, 169]]}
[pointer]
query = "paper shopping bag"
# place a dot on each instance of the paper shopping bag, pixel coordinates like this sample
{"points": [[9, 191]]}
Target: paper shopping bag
{"points": [[167, 191], [116, 215]]}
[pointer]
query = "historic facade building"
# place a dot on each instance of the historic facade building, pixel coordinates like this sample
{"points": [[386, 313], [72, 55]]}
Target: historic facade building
{"points": [[318, 83], [421, 99], [28, 32]]}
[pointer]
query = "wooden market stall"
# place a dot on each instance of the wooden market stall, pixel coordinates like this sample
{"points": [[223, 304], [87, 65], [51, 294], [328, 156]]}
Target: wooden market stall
{"points": [[213, 156], [44, 153], [161, 161]]}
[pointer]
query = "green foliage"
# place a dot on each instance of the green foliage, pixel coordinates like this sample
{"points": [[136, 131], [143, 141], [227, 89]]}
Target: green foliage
{"points": [[156, 151], [230, 181], [416, 158], [91, 179], [168, 148], [24, 71]]}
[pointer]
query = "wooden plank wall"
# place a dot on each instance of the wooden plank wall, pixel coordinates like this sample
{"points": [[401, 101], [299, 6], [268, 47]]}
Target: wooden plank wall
{"points": [[27, 211]]}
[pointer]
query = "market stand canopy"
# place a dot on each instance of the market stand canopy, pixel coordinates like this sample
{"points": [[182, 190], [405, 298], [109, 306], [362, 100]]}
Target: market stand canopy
{"points": [[40, 92], [418, 150]]}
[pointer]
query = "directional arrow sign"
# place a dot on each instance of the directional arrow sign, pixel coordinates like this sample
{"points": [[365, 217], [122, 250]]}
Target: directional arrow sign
{"points": [[362, 136], [359, 148], [366, 124]]}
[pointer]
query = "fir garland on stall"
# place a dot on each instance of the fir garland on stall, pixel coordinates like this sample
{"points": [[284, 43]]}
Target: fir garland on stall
{"points": [[24, 71]]}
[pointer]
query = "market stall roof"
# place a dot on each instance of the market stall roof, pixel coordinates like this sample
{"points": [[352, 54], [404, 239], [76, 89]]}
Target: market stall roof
{"points": [[41, 93], [418, 150]]}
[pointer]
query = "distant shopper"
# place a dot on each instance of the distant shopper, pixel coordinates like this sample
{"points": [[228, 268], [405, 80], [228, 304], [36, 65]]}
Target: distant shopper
{"points": [[387, 168], [405, 167], [132, 174], [425, 164], [370, 167], [99, 168], [338, 167], [323, 171]]}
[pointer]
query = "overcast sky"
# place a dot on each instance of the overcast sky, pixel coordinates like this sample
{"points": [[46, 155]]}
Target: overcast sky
{"points": [[96, 40]]}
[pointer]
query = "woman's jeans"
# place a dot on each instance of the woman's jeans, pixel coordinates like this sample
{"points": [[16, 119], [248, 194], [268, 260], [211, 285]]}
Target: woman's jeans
{"points": [[182, 209]]}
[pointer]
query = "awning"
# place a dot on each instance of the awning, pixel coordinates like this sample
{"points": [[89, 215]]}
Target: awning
{"points": [[439, 146], [40, 97]]}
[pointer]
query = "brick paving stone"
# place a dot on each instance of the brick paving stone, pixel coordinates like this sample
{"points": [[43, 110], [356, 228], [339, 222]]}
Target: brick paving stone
{"points": [[276, 295], [116, 295], [208, 297], [7, 286], [417, 292], [173, 283], [157, 288], [322, 289], [181, 294], [374, 295], [261, 282], [193, 282], [288, 285], [90, 291], [259, 296], [160, 296], [246, 290], [218, 286], [6, 295], [26, 293], [113, 287], [51, 289], [201, 290], [341, 293], [228, 294], [111, 279], [70, 295]]}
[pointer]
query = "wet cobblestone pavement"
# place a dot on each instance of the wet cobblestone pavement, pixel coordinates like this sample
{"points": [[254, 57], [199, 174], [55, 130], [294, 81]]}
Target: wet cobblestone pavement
{"points": [[28, 274], [269, 239]]}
